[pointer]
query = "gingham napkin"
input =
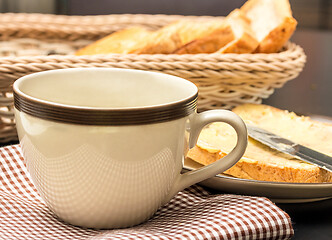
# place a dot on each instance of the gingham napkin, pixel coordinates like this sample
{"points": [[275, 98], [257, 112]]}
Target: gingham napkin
{"points": [[192, 214]]}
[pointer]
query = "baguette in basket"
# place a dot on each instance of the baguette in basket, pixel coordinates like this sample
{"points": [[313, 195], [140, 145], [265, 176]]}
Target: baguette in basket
{"points": [[135, 40], [259, 26], [259, 161]]}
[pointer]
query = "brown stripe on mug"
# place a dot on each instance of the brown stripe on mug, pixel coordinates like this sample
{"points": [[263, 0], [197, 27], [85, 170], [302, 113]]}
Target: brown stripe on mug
{"points": [[105, 116]]}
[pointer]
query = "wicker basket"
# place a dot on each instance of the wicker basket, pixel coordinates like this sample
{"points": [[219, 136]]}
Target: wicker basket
{"points": [[38, 42]]}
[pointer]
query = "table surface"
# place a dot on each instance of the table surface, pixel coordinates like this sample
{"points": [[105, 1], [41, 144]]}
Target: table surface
{"points": [[311, 220]]}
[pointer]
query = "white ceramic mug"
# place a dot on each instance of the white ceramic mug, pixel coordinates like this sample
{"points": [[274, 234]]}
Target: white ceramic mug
{"points": [[105, 146]]}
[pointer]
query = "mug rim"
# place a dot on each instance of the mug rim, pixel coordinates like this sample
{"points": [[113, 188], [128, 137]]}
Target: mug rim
{"points": [[87, 115]]}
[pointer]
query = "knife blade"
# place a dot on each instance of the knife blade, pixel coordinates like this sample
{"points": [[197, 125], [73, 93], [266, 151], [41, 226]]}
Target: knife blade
{"points": [[289, 147]]}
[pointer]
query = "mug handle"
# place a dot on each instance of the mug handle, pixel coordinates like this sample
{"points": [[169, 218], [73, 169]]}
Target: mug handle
{"points": [[196, 125]]}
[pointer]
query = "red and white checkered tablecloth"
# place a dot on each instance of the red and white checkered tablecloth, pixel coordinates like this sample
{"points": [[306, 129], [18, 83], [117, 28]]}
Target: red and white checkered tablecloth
{"points": [[192, 214]]}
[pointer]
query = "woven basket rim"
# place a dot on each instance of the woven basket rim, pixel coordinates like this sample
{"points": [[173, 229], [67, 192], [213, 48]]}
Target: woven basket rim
{"points": [[291, 51]]}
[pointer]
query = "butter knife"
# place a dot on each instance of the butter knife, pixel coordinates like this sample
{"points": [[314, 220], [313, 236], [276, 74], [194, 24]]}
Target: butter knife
{"points": [[291, 148]]}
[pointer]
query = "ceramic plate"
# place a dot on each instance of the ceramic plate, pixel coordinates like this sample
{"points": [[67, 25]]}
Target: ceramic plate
{"points": [[277, 191]]}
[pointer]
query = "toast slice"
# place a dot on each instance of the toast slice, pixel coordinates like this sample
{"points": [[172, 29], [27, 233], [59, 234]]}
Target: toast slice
{"points": [[245, 40], [136, 40], [271, 21], [259, 161]]}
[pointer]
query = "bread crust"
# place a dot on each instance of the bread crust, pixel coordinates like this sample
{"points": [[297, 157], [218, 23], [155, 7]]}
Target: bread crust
{"points": [[277, 38], [262, 170]]}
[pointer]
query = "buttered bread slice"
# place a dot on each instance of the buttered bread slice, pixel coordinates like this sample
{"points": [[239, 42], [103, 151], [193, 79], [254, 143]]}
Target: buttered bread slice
{"points": [[259, 161]]}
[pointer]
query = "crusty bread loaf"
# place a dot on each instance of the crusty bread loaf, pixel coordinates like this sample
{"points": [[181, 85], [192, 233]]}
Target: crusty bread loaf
{"points": [[259, 26], [271, 21], [259, 161]]}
